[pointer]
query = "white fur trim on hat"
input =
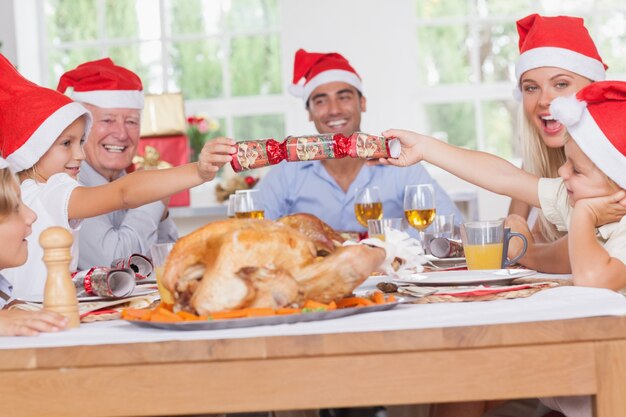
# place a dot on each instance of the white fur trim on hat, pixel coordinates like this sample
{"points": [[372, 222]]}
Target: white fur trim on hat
{"points": [[567, 110], [45, 135], [111, 99], [598, 148], [295, 90], [329, 77], [561, 58]]}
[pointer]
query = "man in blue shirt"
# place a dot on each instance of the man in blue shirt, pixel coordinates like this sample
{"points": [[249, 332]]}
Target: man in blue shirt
{"points": [[333, 96]]}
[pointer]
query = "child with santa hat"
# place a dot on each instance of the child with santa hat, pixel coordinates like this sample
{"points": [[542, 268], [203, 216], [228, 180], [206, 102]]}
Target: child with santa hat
{"points": [[16, 220], [42, 133]]}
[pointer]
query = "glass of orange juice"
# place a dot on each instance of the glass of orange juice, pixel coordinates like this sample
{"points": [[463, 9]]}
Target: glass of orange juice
{"points": [[483, 243], [159, 254]]}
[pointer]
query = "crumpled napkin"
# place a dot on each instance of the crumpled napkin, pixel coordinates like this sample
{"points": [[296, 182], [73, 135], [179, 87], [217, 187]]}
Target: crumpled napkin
{"points": [[404, 254]]}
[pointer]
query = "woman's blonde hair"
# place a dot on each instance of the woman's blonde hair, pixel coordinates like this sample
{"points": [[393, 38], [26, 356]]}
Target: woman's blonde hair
{"points": [[540, 160], [9, 198]]}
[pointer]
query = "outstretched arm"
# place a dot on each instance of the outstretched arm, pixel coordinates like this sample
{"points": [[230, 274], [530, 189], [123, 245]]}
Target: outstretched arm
{"points": [[592, 264], [482, 169], [144, 187]]}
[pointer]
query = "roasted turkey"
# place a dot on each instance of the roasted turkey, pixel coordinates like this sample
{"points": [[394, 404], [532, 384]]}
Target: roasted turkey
{"points": [[239, 263]]}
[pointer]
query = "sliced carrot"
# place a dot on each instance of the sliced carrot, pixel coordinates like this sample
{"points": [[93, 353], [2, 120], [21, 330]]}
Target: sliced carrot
{"points": [[391, 298], [260, 312], [287, 311], [232, 314], [332, 305], [135, 314], [378, 298], [188, 316], [354, 302], [166, 306], [162, 314]]}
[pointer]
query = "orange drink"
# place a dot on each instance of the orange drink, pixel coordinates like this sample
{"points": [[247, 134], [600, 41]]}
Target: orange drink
{"points": [[487, 256]]}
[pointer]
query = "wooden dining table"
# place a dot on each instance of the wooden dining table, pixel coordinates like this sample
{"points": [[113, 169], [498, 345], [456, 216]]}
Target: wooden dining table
{"points": [[585, 356]]}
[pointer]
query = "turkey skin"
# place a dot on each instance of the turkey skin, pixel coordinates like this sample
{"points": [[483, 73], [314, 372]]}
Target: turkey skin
{"points": [[239, 263]]}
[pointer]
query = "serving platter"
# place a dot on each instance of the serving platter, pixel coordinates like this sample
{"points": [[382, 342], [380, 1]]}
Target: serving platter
{"points": [[475, 277], [269, 320]]}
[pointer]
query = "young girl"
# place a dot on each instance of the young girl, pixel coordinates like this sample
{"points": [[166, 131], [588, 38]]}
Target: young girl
{"points": [[557, 58], [588, 200], [42, 132], [16, 220]]}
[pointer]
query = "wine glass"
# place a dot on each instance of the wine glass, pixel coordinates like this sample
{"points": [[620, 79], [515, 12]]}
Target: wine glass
{"points": [[248, 204], [419, 207], [367, 205]]}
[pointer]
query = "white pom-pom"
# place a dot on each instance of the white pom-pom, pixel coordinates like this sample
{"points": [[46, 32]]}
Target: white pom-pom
{"points": [[517, 94], [296, 90], [567, 110], [394, 148]]}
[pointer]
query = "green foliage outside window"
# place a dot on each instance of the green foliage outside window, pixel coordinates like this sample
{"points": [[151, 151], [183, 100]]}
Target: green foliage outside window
{"points": [[444, 55], [453, 122], [259, 127], [255, 66]]}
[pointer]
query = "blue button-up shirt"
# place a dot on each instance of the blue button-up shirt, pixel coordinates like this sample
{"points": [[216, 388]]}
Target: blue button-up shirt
{"points": [[306, 187]]}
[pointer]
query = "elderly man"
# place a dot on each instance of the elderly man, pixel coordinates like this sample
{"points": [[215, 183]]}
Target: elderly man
{"points": [[333, 95], [114, 96]]}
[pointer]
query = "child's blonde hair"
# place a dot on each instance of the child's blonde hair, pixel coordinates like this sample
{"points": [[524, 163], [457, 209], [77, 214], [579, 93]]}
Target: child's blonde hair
{"points": [[540, 160], [9, 198]]}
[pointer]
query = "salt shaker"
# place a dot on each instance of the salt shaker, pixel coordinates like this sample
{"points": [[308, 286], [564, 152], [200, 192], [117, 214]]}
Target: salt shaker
{"points": [[59, 293]]}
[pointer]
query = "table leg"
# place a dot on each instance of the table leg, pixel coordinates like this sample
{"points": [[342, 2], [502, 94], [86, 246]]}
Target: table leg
{"points": [[611, 372]]}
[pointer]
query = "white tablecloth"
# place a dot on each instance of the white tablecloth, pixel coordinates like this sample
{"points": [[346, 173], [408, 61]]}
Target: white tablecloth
{"points": [[553, 304]]}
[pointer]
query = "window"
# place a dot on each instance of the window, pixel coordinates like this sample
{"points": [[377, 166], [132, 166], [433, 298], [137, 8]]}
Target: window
{"points": [[467, 51], [223, 55]]}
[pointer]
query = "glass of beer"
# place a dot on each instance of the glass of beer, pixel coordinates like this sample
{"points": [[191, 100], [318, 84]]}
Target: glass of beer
{"points": [[367, 205], [248, 204], [419, 207], [231, 206]]}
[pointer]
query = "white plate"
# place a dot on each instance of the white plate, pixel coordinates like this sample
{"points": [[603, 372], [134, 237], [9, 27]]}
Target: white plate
{"points": [[136, 293], [477, 277]]}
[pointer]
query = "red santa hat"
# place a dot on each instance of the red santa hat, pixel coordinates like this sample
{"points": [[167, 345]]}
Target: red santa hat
{"points": [[321, 68], [103, 84], [595, 119], [560, 41], [32, 117]]}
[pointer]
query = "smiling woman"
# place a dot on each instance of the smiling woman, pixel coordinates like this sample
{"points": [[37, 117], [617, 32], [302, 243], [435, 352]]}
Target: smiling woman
{"points": [[557, 58]]}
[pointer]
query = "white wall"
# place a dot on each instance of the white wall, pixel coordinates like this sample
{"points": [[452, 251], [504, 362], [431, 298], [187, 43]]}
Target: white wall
{"points": [[7, 30], [372, 35]]}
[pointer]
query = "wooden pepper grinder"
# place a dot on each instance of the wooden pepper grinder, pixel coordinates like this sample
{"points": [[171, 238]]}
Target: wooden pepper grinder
{"points": [[59, 293]]}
